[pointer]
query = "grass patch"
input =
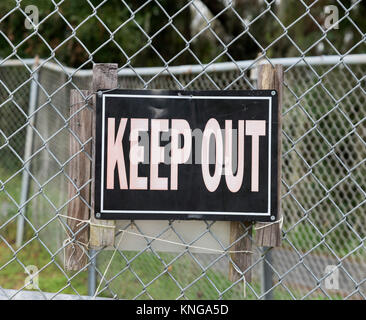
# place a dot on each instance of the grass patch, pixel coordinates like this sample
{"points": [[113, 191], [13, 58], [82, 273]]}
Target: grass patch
{"points": [[133, 275], [156, 281], [51, 277], [143, 276]]}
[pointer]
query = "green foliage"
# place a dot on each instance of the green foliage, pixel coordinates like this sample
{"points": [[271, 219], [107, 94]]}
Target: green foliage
{"points": [[142, 34], [108, 35], [306, 27]]}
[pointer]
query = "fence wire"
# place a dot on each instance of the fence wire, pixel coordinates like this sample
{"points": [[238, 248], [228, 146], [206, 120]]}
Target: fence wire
{"points": [[323, 168]]}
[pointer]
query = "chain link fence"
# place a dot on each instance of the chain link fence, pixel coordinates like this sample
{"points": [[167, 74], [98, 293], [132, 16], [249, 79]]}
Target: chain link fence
{"points": [[323, 175]]}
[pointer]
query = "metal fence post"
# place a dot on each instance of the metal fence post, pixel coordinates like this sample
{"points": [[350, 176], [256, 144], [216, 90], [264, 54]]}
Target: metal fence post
{"points": [[33, 95], [267, 274], [92, 274]]}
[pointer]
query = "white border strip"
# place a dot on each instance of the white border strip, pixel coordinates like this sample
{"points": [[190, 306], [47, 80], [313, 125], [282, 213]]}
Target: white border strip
{"points": [[268, 213]]}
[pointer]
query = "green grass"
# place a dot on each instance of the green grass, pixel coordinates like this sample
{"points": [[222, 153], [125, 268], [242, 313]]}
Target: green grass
{"points": [[51, 277], [159, 284], [151, 271], [11, 188], [156, 278], [12, 273]]}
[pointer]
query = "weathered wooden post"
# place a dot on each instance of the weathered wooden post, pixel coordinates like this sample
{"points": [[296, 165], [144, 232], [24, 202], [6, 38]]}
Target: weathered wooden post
{"points": [[243, 260], [100, 233], [79, 171], [269, 235]]}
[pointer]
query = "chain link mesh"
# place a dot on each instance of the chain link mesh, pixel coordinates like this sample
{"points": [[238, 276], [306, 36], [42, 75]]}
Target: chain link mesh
{"points": [[323, 170]]}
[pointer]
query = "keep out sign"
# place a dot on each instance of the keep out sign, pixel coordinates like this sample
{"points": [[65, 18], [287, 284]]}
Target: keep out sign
{"points": [[186, 155]]}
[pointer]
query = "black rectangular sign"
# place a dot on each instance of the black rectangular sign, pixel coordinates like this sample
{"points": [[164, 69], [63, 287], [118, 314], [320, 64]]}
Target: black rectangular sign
{"points": [[186, 155]]}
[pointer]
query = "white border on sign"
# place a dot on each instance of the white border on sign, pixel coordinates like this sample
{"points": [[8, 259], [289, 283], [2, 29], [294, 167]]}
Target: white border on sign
{"points": [[268, 213]]}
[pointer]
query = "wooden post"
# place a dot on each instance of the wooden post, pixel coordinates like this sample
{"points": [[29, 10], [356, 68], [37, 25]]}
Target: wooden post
{"points": [[272, 78], [104, 77], [79, 171], [241, 260]]}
